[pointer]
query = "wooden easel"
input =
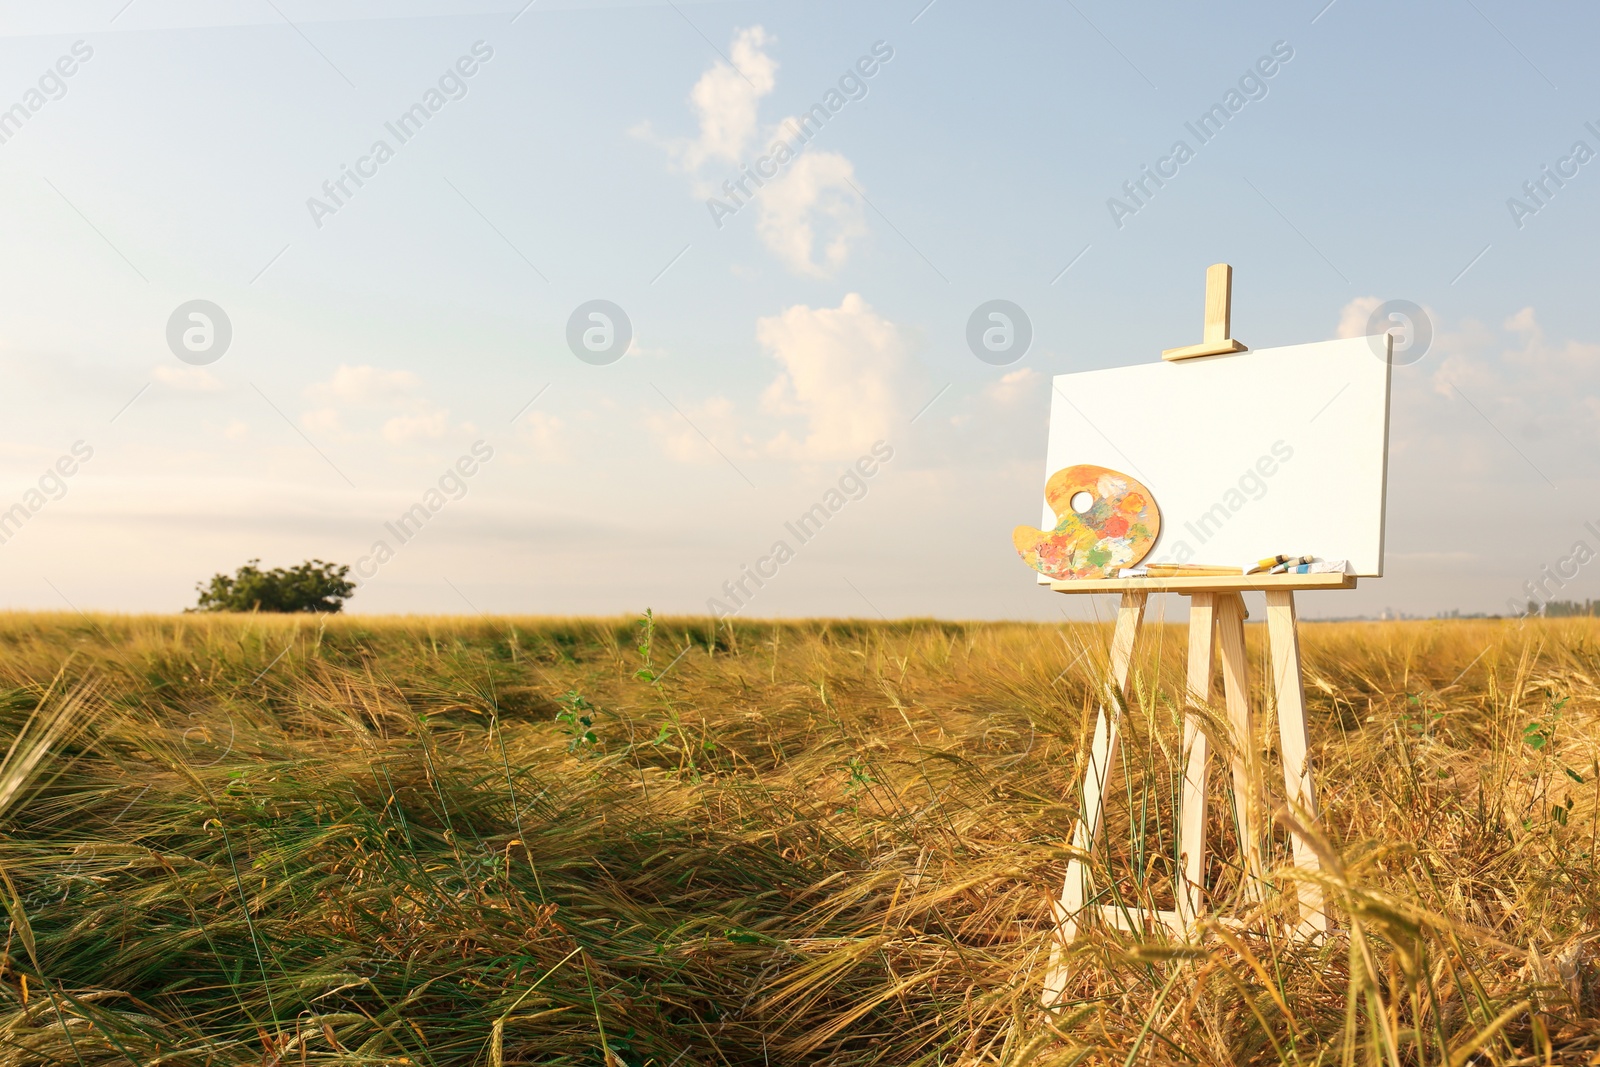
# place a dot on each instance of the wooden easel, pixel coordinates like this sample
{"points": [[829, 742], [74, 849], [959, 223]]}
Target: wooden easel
{"points": [[1216, 611]]}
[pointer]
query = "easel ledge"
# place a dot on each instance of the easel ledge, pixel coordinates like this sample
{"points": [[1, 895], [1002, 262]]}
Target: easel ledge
{"points": [[1208, 583]]}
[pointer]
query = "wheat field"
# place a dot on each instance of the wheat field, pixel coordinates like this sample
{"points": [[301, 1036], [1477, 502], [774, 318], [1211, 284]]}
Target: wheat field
{"points": [[445, 841]]}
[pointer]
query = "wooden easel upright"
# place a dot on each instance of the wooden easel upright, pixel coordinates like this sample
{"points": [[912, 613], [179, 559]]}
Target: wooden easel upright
{"points": [[1216, 611]]}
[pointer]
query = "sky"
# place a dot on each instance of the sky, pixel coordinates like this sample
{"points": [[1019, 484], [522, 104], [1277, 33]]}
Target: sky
{"points": [[280, 274]]}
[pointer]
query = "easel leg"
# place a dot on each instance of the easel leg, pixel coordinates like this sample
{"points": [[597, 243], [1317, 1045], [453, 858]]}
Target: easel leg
{"points": [[1283, 633], [1192, 807], [1103, 753], [1096, 780], [1246, 792]]}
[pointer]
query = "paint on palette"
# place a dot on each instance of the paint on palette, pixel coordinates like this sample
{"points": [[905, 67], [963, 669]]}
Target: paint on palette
{"points": [[1116, 530]]}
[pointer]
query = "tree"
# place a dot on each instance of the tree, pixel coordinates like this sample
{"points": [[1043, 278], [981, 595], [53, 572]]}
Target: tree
{"points": [[312, 586]]}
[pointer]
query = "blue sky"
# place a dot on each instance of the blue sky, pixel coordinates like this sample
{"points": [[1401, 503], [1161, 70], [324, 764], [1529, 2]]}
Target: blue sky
{"points": [[372, 347]]}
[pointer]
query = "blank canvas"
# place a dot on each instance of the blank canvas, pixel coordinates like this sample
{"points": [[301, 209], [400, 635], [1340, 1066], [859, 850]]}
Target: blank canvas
{"points": [[1248, 455]]}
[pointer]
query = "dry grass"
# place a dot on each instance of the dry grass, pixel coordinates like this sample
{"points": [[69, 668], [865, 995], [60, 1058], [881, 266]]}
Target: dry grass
{"points": [[277, 841]]}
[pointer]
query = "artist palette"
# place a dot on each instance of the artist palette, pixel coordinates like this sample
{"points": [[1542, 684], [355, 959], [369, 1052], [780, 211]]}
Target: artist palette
{"points": [[1114, 524]]}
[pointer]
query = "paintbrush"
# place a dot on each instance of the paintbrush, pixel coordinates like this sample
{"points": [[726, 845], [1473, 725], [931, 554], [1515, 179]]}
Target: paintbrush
{"points": [[1189, 570]]}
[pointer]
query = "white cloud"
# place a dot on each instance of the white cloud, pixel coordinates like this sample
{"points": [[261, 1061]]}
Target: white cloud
{"points": [[1571, 362], [679, 431], [1013, 386], [364, 385], [324, 420], [840, 381], [1482, 391], [726, 101], [814, 194], [236, 430], [365, 394], [429, 424], [638, 351], [808, 215], [1353, 316], [1523, 322], [1519, 371], [189, 379], [544, 436], [841, 372]]}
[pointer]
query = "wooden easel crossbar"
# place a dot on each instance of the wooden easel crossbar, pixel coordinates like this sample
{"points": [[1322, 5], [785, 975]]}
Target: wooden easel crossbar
{"points": [[1216, 615]]}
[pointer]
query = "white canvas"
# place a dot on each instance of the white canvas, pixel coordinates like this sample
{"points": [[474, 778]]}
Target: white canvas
{"points": [[1249, 455]]}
